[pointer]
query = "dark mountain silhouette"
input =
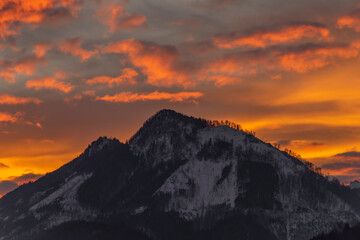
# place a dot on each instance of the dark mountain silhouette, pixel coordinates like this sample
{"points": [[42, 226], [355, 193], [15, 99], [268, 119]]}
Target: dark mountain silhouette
{"points": [[179, 177]]}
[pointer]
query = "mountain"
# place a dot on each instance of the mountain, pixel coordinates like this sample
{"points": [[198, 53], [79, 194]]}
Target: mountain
{"points": [[184, 178]]}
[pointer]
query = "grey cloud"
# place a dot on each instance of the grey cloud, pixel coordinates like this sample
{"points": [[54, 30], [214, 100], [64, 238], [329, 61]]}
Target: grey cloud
{"points": [[7, 186], [341, 165], [354, 154], [314, 133], [26, 177]]}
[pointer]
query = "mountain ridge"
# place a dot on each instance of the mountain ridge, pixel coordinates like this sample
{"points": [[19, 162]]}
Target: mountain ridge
{"points": [[201, 180]]}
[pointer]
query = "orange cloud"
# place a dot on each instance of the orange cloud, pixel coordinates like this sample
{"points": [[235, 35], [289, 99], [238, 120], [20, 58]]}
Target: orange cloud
{"points": [[73, 99], [117, 18], [13, 13], [350, 21], [221, 80], [127, 97], [49, 83], [89, 93], [232, 67], [316, 58], [60, 75], [268, 38], [127, 77], [7, 117], [25, 66], [73, 46], [40, 49], [8, 75], [159, 63], [48, 141], [6, 99]]}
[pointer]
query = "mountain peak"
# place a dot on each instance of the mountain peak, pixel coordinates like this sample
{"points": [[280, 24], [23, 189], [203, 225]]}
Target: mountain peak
{"points": [[168, 120], [98, 145], [167, 114]]}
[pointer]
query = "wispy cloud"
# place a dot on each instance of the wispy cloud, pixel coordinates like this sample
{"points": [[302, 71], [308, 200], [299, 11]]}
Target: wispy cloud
{"points": [[158, 62], [25, 178], [40, 49], [9, 118], [117, 17], [49, 83], [2, 165], [265, 38], [127, 97], [73, 46], [15, 13], [25, 65], [6, 99], [350, 21], [127, 76]]}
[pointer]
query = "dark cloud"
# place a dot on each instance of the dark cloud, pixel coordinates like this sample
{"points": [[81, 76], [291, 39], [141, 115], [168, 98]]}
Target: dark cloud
{"points": [[345, 166], [339, 165], [313, 133], [316, 144], [26, 178], [298, 144], [55, 14], [355, 172], [214, 4], [353, 154], [202, 47], [345, 160], [3, 165], [284, 142]]}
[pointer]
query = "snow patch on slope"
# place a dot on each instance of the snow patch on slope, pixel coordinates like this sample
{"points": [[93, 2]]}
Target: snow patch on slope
{"points": [[195, 187], [354, 185], [67, 192], [66, 198]]}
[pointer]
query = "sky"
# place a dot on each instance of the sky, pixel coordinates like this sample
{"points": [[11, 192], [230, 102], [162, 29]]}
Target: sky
{"points": [[74, 70]]}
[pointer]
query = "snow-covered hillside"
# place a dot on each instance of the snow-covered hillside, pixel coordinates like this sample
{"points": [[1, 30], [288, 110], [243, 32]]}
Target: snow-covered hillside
{"points": [[354, 185]]}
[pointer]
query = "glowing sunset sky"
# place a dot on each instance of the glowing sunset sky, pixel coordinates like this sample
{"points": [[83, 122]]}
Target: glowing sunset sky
{"points": [[74, 70]]}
